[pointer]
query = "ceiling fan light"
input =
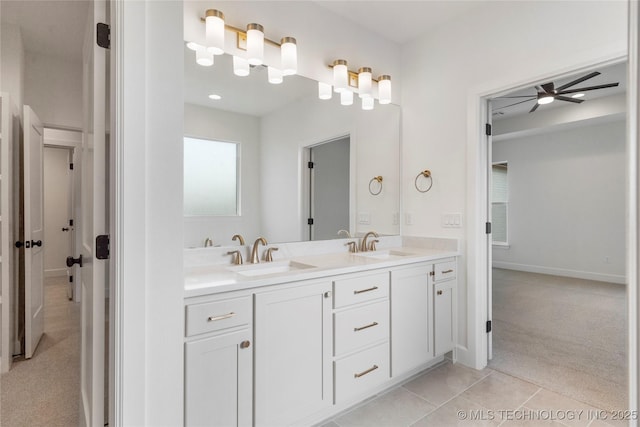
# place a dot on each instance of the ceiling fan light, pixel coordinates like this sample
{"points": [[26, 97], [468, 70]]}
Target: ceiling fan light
{"points": [[545, 99]]}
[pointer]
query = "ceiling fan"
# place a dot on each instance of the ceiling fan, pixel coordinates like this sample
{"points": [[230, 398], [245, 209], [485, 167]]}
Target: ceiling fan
{"points": [[547, 93]]}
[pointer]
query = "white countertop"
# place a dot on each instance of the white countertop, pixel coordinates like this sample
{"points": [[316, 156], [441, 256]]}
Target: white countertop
{"points": [[212, 279]]}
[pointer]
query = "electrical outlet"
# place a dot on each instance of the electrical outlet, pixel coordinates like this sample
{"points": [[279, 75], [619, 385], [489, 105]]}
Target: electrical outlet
{"points": [[396, 218]]}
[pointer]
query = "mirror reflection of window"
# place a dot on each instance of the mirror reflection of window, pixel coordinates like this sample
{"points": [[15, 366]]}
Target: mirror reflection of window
{"points": [[210, 177]]}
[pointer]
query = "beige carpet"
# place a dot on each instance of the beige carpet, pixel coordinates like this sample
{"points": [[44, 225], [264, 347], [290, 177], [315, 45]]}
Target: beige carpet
{"points": [[567, 335], [45, 389]]}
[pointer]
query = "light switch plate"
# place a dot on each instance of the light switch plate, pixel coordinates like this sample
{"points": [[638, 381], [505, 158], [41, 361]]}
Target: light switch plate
{"points": [[452, 220], [364, 218]]}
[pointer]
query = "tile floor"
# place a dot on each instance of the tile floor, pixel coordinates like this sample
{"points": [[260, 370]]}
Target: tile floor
{"points": [[452, 394]]}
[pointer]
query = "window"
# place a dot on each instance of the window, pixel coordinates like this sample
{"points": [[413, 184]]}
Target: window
{"points": [[210, 178], [499, 203]]}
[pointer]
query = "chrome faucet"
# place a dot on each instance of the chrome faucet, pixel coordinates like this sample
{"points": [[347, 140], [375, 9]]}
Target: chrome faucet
{"points": [[239, 238], [254, 251], [363, 244]]}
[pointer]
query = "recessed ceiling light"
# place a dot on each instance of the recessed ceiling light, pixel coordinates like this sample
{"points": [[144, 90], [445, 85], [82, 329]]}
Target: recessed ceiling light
{"points": [[215, 97], [578, 95]]}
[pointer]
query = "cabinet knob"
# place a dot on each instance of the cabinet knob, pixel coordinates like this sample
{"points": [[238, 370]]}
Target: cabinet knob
{"points": [[245, 344], [439, 292], [327, 294]]}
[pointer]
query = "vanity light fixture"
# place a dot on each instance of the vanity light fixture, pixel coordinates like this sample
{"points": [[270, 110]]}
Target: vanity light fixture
{"points": [[340, 75], [255, 44], [364, 82], [324, 90], [289, 56], [240, 66], [346, 97], [367, 103], [214, 28], [204, 57], [384, 89], [274, 75]]}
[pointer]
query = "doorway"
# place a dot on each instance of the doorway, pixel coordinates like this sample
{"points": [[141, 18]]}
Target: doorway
{"points": [[556, 252]]}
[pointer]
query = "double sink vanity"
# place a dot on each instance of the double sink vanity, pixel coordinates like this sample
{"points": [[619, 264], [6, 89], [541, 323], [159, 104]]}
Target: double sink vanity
{"points": [[299, 339]]}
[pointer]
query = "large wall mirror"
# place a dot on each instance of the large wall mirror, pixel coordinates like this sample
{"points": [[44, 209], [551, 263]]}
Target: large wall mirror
{"points": [[275, 131]]}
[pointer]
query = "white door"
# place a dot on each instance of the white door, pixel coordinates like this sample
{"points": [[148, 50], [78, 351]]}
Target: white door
{"points": [[33, 230], [92, 223]]}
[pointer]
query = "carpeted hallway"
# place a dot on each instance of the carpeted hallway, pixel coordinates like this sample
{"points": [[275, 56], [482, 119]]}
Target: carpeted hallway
{"points": [[567, 335], [44, 391]]}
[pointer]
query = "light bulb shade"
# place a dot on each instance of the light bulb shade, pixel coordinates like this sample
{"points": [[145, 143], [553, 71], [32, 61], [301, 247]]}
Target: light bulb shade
{"points": [[255, 44], [340, 75], [274, 75], [364, 82], [194, 46], [289, 56], [384, 89], [240, 66], [545, 99], [214, 28], [346, 97], [204, 57], [324, 90], [368, 102]]}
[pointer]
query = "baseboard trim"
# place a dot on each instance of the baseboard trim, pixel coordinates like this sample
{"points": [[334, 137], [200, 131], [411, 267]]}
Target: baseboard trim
{"points": [[55, 272], [587, 275]]}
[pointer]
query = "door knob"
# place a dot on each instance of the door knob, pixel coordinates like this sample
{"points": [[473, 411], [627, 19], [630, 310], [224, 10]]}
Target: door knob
{"points": [[72, 260], [36, 243], [19, 244]]}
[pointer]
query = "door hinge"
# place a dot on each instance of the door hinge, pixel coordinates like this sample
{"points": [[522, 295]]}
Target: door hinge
{"points": [[70, 223], [310, 221], [310, 165], [103, 35], [102, 246], [488, 326], [487, 129], [71, 279], [488, 228], [71, 166], [432, 273]]}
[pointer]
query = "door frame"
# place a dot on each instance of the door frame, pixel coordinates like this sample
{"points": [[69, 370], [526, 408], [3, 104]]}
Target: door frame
{"points": [[479, 256]]}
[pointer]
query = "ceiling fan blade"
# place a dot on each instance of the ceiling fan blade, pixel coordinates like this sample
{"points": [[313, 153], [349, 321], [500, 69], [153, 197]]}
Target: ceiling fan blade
{"points": [[539, 89], [548, 87], [523, 96], [511, 105], [584, 89], [566, 98], [580, 80], [535, 107]]}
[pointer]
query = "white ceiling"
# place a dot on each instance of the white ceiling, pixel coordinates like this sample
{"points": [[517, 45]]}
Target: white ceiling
{"points": [[53, 27], [503, 108]]}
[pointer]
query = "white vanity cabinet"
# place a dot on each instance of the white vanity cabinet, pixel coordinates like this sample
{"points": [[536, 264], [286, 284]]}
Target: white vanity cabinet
{"points": [[293, 350], [444, 306], [219, 362]]}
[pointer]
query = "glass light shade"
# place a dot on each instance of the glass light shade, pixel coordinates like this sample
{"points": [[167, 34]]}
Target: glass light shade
{"points": [[368, 102], [255, 44], [240, 66], [364, 82], [340, 75], [384, 89], [274, 75], [194, 46], [548, 99], [204, 57], [214, 29], [289, 56], [346, 97], [324, 90]]}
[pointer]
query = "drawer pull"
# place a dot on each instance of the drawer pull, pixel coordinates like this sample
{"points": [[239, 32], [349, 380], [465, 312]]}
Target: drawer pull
{"points": [[222, 317], [439, 292], [365, 290], [447, 271], [363, 373], [365, 327]]}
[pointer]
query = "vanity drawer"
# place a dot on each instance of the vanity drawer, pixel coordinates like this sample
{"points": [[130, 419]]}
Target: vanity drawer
{"points": [[445, 270], [360, 289], [217, 315], [356, 375], [360, 326]]}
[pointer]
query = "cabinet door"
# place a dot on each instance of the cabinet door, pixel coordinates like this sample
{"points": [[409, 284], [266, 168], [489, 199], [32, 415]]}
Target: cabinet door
{"points": [[293, 350], [443, 307], [411, 326], [218, 378]]}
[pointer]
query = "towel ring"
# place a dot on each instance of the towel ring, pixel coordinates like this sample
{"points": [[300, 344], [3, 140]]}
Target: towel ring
{"points": [[427, 174], [377, 179]]}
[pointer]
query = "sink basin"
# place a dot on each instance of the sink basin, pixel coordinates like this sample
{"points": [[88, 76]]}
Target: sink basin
{"points": [[383, 254], [262, 269]]}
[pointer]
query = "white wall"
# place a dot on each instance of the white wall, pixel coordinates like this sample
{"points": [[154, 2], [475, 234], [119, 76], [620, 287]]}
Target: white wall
{"points": [[566, 202], [221, 125], [500, 46], [12, 63], [56, 211], [53, 89]]}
